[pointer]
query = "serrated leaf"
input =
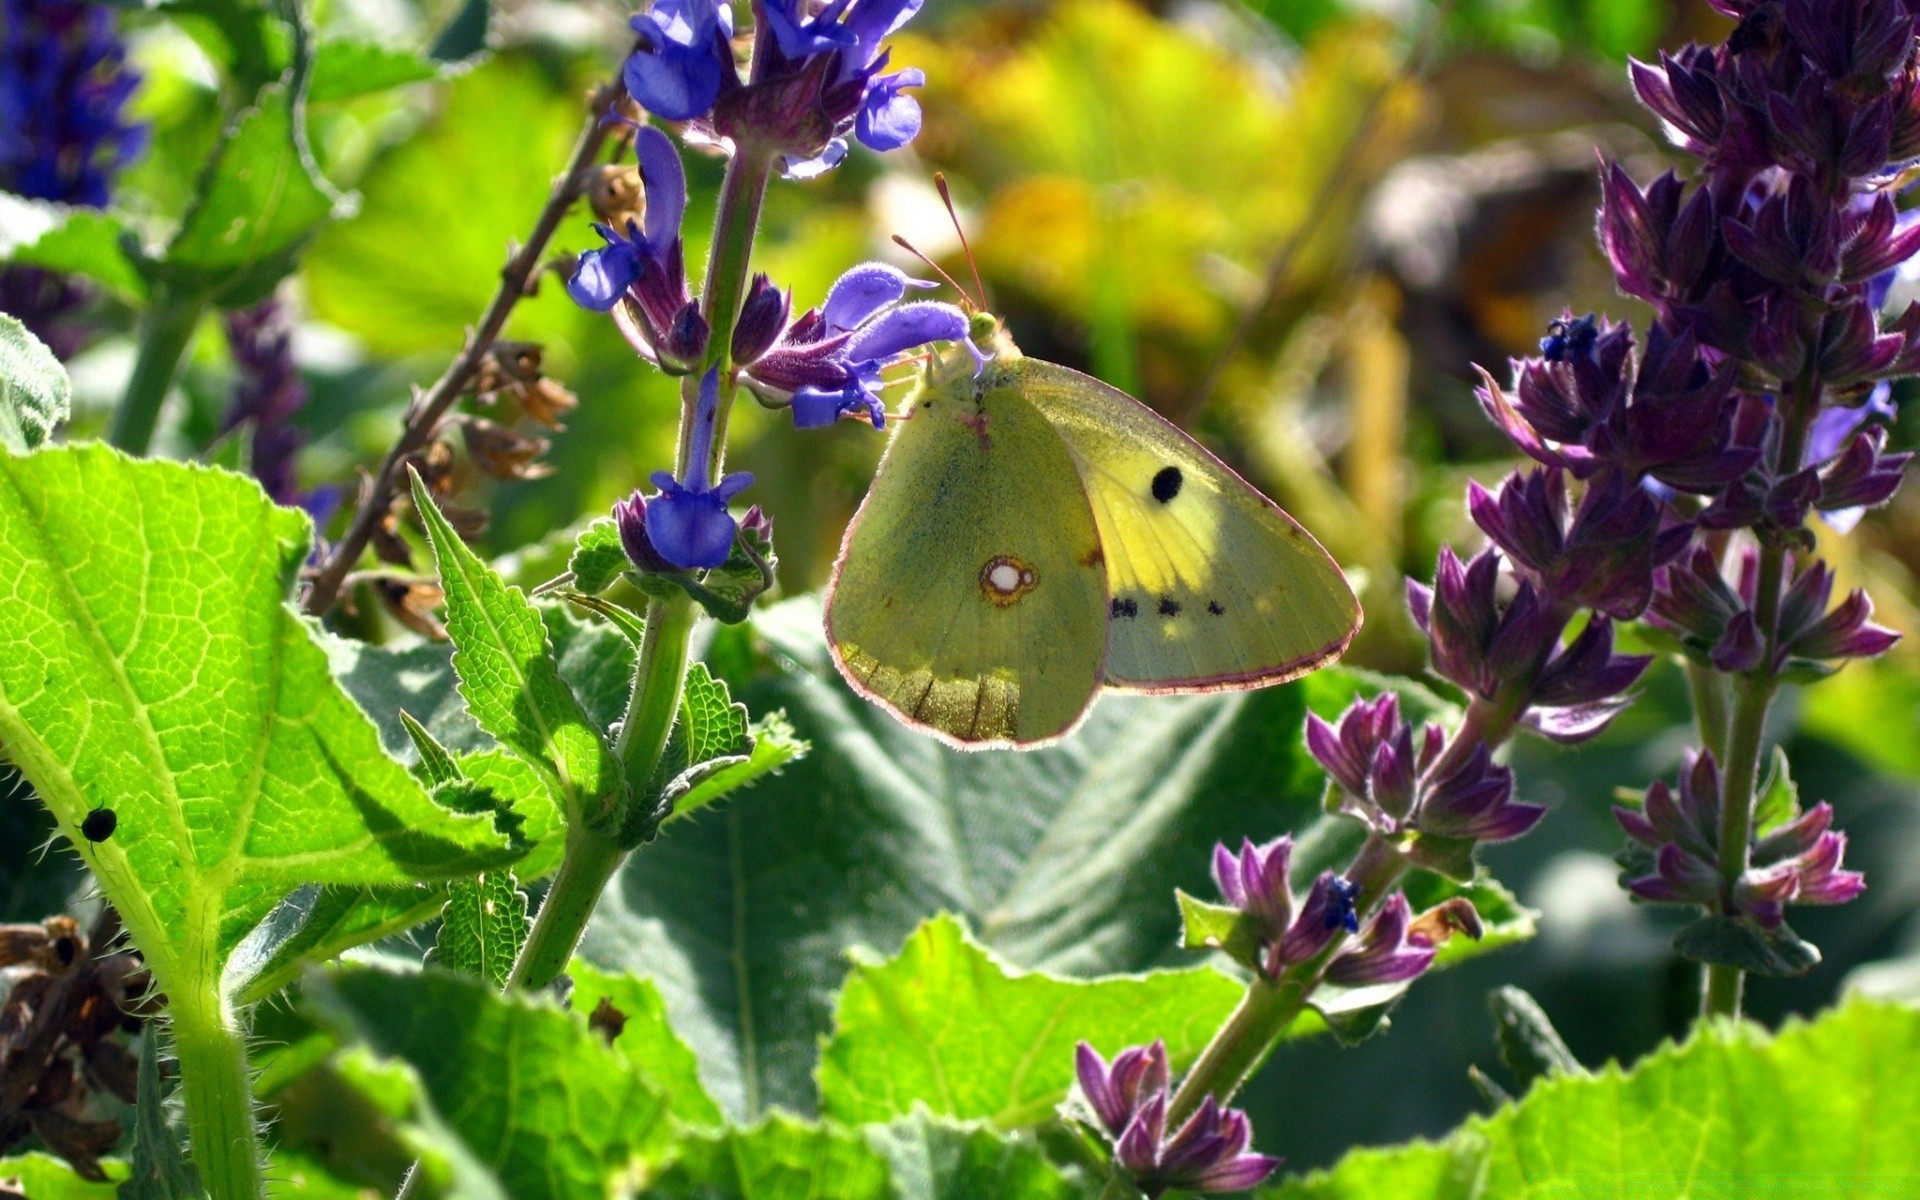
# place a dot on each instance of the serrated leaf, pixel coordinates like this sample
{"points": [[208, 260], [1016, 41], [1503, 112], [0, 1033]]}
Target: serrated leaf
{"points": [[260, 199], [73, 241], [934, 1159], [1219, 927], [509, 677], [331, 921], [1529, 1044], [1356, 1014], [946, 1026], [159, 1170], [151, 662], [1733, 1112], [598, 558], [482, 927], [774, 746], [436, 761], [346, 68], [780, 1159], [710, 726], [511, 1082], [645, 1038], [1738, 942], [35, 393]]}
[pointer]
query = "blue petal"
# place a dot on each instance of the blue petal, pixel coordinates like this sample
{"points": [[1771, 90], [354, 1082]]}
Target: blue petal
{"points": [[862, 292], [604, 275], [674, 79], [907, 328], [666, 187], [815, 409], [800, 38], [889, 118], [872, 20], [812, 168], [692, 530], [1835, 427]]}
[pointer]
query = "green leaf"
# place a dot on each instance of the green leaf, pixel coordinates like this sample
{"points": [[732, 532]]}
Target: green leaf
{"points": [[159, 1170], [774, 745], [150, 661], [331, 921], [644, 1038], [946, 1026], [1356, 1014], [44, 1177], [465, 35], [436, 762], [509, 678], [261, 198], [933, 1159], [1529, 1044], [1779, 800], [482, 927], [598, 558], [35, 394], [347, 68], [1819, 1109], [512, 1082], [72, 241], [710, 726], [1219, 927], [1063, 860], [779, 1159], [1740, 942]]}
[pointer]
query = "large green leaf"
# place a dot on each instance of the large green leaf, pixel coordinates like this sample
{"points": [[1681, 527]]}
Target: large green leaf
{"points": [[509, 677], [631, 1015], [35, 393], [1827, 1108], [73, 241], [779, 1159], [934, 1159], [150, 662], [946, 1027], [1063, 859], [515, 1084]]}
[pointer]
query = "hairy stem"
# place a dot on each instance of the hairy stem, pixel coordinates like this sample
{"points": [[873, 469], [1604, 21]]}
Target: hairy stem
{"points": [[166, 328], [1753, 696], [430, 407], [218, 1096], [593, 854], [1708, 690]]}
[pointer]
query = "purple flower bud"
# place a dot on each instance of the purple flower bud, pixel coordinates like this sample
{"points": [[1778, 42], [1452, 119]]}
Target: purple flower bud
{"points": [[763, 317], [1118, 1092], [1384, 953], [1474, 801], [1208, 1154], [1862, 476], [1255, 882]]}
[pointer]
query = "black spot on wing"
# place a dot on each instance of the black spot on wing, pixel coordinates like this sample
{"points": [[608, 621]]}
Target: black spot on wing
{"points": [[1166, 484], [1169, 607], [1125, 606], [1213, 606]]}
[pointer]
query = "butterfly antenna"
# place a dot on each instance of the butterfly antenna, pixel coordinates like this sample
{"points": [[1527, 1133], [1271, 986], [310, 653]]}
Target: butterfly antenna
{"points": [[940, 182], [914, 250]]}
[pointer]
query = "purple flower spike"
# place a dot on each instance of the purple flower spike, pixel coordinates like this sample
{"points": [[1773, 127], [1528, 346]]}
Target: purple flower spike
{"points": [[1255, 882], [1208, 1154], [1475, 801], [688, 524], [828, 362], [1118, 1092]]}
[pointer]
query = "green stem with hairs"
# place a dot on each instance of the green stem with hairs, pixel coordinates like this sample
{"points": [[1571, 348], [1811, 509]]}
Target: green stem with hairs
{"points": [[218, 1094], [594, 853]]}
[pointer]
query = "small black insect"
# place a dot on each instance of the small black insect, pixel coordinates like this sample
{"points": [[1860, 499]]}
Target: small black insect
{"points": [[1166, 485], [1213, 606], [99, 824], [1125, 606], [1169, 607]]}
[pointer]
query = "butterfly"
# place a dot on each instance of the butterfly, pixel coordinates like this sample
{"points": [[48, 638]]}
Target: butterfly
{"points": [[1034, 536]]}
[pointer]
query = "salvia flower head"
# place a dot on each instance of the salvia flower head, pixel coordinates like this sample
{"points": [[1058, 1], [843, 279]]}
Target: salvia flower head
{"points": [[64, 84], [640, 274], [1130, 1099], [686, 525], [828, 362], [1117, 1091], [1510, 653], [1675, 849], [268, 393], [1255, 882], [1714, 618]]}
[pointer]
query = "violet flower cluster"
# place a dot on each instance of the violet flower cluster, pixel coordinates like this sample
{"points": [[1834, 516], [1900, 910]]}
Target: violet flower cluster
{"points": [[64, 136], [1129, 1099], [816, 77]]}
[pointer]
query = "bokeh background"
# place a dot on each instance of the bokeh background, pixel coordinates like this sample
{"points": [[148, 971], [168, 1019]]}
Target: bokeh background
{"points": [[1293, 226]]}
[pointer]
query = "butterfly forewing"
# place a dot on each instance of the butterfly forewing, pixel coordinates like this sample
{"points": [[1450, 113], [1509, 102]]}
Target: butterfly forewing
{"points": [[970, 597], [1212, 585]]}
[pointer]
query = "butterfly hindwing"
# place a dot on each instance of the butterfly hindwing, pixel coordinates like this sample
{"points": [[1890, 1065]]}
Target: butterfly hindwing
{"points": [[1212, 585], [969, 596]]}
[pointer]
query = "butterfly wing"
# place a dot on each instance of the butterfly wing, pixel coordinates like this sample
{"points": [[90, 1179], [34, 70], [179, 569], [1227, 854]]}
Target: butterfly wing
{"points": [[1212, 586], [968, 598]]}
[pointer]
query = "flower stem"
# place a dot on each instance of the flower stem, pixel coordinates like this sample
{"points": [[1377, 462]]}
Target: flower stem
{"points": [[218, 1096], [1709, 694], [595, 852], [166, 328]]}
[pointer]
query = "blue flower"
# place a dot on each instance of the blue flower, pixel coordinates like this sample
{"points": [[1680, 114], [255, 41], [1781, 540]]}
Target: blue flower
{"points": [[829, 361], [641, 274], [63, 87], [688, 524], [686, 60]]}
